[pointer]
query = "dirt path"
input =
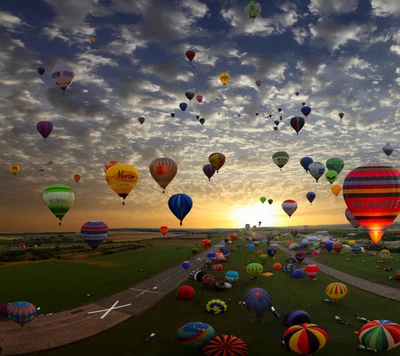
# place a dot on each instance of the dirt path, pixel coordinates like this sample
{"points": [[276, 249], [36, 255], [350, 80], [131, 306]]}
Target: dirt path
{"points": [[364, 284], [76, 324]]}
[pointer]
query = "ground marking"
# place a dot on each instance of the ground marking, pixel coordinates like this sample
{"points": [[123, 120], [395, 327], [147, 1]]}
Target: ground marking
{"points": [[144, 291], [108, 310]]}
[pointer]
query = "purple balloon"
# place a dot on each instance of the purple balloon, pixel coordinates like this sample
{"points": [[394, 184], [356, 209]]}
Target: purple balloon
{"points": [[209, 170], [300, 256], [258, 82], [297, 317], [258, 301]]}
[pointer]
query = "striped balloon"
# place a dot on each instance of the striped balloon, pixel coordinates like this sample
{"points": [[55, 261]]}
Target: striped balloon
{"points": [[280, 158], [21, 312], [289, 207], [217, 160], [225, 345], [94, 232], [372, 194], [297, 122], [380, 335], [194, 335], [254, 269], [305, 338], [336, 291], [209, 171], [45, 128], [59, 199], [180, 205]]}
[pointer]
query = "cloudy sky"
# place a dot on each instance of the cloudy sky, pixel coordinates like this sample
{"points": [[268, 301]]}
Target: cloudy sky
{"points": [[340, 55]]}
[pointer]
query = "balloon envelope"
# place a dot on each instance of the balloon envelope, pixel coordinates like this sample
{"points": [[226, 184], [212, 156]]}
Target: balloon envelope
{"points": [[44, 128], [94, 232], [122, 179], [21, 312], [180, 205], [59, 199], [217, 160], [289, 207], [163, 170], [63, 75], [305, 162]]}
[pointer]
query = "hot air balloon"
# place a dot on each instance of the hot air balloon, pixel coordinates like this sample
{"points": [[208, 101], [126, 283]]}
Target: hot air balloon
{"points": [[77, 177], [209, 171], [163, 170], [183, 106], [384, 255], [305, 339], [371, 193], [164, 230], [270, 201], [199, 98], [300, 256], [258, 82], [217, 160], [337, 246], [271, 251], [336, 291], [316, 169], [305, 162], [224, 78], [297, 93], [252, 9], [59, 199], [194, 335], [289, 207], [294, 232], [216, 306], [335, 164], [41, 172], [190, 55], [172, 114], [263, 199], [312, 271], [254, 269], [14, 169], [225, 345], [296, 317], [94, 232], [331, 176], [352, 220], [280, 158], [21, 312], [310, 196], [306, 110], [388, 149], [63, 75], [258, 301], [189, 94], [202, 120], [341, 115], [122, 179], [180, 205], [109, 164], [44, 128], [380, 335], [206, 244], [185, 264], [141, 120], [92, 40], [41, 70], [297, 122], [336, 189]]}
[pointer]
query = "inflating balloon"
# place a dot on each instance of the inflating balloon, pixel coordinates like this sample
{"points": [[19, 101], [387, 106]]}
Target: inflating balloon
{"points": [[21, 312], [225, 345], [371, 193], [380, 335], [336, 291]]}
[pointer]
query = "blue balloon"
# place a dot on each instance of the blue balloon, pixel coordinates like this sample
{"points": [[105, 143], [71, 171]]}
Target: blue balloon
{"points": [[310, 196], [211, 255], [250, 247], [202, 120], [306, 110], [185, 264], [41, 70], [305, 162], [298, 273], [180, 205], [183, 106], [329, 245], [271, 251]]}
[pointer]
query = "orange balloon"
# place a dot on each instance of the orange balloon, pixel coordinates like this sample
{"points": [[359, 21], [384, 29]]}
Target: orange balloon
{"points": [[163, 170], [77, 178], [164, 230], [206, 244], [336, 189]]}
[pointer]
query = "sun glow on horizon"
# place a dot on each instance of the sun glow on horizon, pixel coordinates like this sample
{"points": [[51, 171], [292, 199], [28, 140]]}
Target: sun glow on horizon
{"points": [[252, 214]]}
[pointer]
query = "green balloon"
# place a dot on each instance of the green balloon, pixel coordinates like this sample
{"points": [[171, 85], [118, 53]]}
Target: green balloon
{"points": [[331, 176], [263, 199], [58, 198], [252, 9], [335, 164]]}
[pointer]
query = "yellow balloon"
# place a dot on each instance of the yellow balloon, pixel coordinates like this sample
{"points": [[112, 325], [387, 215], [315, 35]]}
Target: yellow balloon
{"points": [[224, 78], [14, 169], [336, 189], [122, 178], [92, 40], [351, 243]]}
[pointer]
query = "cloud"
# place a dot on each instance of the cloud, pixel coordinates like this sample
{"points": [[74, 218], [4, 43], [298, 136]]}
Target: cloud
{"points": [[332, 6], [385, 8], [9, 21]]}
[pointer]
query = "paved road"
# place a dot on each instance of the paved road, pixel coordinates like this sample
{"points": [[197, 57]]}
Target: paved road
{"points": [[364, 284], [76, 324]]}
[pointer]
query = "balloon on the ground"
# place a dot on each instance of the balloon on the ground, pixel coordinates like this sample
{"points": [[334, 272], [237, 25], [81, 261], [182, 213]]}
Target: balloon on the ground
{"points": [[371, 193], [271, 251], [225, 345], [185, 292], [305, 339], [206, 244], [208, 280], [336, 291], [232, 276], [258, 301], [300, 256], [122, 179], [384, 255], [94, 232], [296, 317], [185, 264], [312, 271], [298, 273], [194, 335], [380, 335], [254, 270], [163, 170], [337, 246], [59, 199], [21, 312], [216, 306]]}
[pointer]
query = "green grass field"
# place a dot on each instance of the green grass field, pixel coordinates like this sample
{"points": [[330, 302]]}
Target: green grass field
{"points": [[262, 339]]}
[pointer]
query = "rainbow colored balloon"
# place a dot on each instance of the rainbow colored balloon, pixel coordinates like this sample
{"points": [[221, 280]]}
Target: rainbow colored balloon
{"points": [[305, 338], [194, 335], [21, 312], [380, 335], [372, 194]]}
